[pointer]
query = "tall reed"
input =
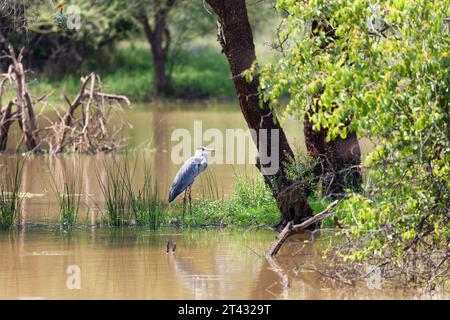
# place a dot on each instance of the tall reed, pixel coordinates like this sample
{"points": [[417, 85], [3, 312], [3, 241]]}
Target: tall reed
{"points": [[124, 204], [145, 203], [68, 197], [209, 187], [10, 200], [116, 189]]}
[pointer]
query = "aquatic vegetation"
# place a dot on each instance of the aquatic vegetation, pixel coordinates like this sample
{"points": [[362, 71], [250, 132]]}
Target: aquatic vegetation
{"points": [[116, 189], [68, 198], [124, 204], [11, 176], [209, 188], [146, 206]]}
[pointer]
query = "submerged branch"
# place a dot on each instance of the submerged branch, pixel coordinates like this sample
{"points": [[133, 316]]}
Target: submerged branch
{"points": [[291, 229]]}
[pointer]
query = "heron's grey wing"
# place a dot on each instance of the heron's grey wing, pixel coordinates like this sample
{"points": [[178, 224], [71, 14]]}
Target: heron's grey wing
{"points": [[184, 177]]}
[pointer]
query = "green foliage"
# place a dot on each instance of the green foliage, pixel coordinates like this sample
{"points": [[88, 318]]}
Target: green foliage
{"points": [[11, 176], [305, 169], [251, 204], [52, 37], [383, 68], [200, 73]]}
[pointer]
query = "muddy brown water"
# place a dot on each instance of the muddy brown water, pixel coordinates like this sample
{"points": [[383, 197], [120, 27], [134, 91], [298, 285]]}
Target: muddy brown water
{"points": [[131, 263]]}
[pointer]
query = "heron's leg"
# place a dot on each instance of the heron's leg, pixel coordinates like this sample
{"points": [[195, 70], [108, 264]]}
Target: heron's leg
{"points": [[190, 199], [184, 201]]}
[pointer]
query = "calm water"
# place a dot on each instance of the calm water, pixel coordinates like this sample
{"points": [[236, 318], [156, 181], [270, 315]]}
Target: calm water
{"points": [[132, 263]]}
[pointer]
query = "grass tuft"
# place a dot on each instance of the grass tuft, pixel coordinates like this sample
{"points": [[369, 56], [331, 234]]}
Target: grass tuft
{"points": [[251, 204], [10, 200], [116, 191], [146, 206], [124, 204], [68, 197]]}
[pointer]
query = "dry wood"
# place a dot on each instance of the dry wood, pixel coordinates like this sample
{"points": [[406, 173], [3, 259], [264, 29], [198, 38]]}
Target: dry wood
{"points": [[291, 229], [115, 97], [25, 107], [88, 134]]}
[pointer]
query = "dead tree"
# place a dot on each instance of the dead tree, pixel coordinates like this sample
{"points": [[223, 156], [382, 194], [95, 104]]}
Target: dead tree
{"points": [[25, 113], [236, 38], [7, 116], [88, 133]]}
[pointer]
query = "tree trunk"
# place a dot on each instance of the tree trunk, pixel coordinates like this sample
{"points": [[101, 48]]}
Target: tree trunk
{"points": [[339, 160], [159, 39], [159, 70], [236, 38]]}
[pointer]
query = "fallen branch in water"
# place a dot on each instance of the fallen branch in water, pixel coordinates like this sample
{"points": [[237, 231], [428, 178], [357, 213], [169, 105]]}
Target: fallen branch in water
{"points": [[291, 229]]}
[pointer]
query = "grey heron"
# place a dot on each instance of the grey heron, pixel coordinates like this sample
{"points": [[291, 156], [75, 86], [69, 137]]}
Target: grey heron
{"points": [[188, 172]]}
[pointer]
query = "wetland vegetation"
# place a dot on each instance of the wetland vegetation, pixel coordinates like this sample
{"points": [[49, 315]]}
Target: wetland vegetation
{"points": [[355, 94]]}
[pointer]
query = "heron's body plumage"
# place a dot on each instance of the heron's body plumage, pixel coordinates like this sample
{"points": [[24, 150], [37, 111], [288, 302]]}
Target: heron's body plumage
{"points": [[187, 174]]}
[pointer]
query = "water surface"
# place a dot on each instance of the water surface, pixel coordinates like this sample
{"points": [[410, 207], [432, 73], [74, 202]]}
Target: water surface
{"points": [[132, 263]]}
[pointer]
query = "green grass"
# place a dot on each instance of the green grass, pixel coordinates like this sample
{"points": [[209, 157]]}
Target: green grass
{"points": [[10, 199], [201, 73], [251, 204]]}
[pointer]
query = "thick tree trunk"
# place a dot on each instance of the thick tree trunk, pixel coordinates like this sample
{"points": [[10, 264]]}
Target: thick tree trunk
{"points": [[339, 160], [235, 36]]}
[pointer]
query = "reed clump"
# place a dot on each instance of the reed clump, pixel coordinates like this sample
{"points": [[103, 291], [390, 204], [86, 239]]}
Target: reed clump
{"points": [[146, 206], [68, 196], [124, 203], [10, 200]]}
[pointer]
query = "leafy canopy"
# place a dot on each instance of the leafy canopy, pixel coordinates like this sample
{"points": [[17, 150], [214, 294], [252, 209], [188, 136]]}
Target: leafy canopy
{"points": [[383, 68]]}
